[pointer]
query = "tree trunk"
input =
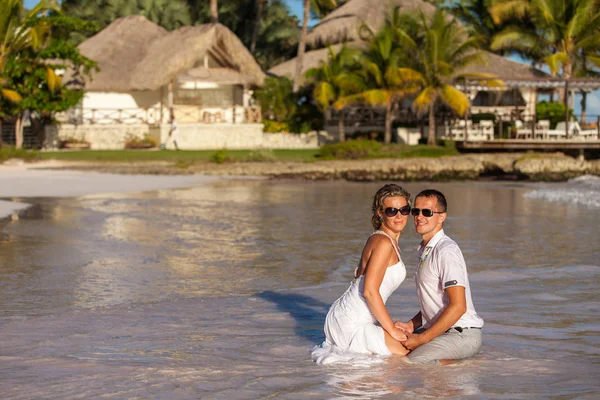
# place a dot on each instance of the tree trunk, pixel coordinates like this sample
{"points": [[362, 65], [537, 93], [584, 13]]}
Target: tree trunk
{"points": [[387, 137], [431, 137], [214, 13], [583, 106], [259, 9], [19, 131], [341, 132], [301, 47], [566, 75]]}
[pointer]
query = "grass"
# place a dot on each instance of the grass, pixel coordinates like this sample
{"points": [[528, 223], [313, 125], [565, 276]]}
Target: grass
{"points": [[184, 158], [179, 157], [7, 153]]}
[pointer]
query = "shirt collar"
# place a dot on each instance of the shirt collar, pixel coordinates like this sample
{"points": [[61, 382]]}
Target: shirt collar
{"points": [[434, 240]]}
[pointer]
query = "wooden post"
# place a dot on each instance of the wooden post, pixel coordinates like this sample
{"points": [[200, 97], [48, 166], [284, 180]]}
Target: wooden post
{"points": [[535, 97], [466, 128], [566, 108]]}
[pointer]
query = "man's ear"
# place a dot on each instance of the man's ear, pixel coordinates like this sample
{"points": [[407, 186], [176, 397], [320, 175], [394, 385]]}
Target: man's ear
{"points": [[442, 218]]}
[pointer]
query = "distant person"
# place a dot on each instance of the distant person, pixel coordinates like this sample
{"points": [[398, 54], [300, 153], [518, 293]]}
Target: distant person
{"points": [[173, 131], [450, 327], [359, 322]]}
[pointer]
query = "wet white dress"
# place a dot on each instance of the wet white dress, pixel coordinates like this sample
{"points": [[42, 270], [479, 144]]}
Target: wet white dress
{"points": [[351, 330]]}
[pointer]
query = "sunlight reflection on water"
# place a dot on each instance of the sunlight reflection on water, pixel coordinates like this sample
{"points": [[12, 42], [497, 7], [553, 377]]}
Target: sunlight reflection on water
{"points": [[220, 291]]}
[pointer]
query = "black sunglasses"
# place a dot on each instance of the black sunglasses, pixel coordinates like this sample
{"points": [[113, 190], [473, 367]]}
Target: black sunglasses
{"points": [[391, 211], [426, 212]]}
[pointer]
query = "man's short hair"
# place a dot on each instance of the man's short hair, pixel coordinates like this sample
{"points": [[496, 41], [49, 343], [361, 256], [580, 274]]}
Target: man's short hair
{"points": [[441, 199]]}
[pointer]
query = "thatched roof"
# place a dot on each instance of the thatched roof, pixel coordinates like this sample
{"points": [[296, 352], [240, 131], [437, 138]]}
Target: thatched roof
{"points": [[343, 23], [499, 66], [506, 69], [312, 59], [136, 54]]}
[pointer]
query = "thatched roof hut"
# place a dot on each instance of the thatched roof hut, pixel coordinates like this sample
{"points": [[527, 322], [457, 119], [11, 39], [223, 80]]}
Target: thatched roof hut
{"points": [[343, 23], [133, 54], [506, 69]]}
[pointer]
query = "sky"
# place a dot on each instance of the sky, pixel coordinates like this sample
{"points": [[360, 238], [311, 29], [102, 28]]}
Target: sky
{"points": [[593, 101]]}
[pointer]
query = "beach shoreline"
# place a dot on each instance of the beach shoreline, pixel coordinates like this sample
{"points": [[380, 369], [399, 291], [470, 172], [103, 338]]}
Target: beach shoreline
{"points": [[505, 166], [53, 178]]}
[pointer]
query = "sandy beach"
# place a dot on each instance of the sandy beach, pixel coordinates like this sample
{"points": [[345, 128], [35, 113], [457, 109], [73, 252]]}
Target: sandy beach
{"points": [[19, 181]]}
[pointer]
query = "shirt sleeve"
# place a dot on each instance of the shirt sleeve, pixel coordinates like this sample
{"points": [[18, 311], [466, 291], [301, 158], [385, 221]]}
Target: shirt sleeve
{"points": [[452, 267]]}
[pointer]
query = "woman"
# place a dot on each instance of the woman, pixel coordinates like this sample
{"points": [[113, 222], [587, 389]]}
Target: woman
{"points": [[358, 322]]}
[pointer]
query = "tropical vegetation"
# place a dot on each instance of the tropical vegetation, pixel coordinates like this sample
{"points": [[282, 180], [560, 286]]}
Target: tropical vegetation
{"points": [[29, 61]]}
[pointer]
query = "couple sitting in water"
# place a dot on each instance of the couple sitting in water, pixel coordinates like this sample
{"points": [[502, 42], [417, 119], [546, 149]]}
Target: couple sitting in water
{"points": [[447, 327]]}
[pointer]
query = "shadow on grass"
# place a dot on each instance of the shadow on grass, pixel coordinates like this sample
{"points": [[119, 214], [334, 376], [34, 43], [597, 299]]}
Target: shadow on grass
{"points": [[308, 312]]}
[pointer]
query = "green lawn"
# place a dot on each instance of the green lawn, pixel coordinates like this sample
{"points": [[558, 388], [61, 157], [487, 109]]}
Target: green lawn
{"points": [[169, 155], [188, 157]]}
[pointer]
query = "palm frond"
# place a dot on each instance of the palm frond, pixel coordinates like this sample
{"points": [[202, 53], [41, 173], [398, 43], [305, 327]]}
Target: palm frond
{"points": [[505, 9], [556, 60], [455, 99], [11, 95], [426, 98]]}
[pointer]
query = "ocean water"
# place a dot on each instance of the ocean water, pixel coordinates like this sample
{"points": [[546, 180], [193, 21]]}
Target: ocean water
{"points": [[220, 291]]}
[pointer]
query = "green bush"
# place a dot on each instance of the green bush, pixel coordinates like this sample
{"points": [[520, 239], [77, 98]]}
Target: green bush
{"points": [[6, 153], [220, 157], [555, 112], [271, 126], [349, 150], [263, 155]]}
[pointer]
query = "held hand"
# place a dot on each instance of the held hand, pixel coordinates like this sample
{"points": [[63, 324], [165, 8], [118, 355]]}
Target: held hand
{"points": [[413, 341], [403, 326], [398, 334]]}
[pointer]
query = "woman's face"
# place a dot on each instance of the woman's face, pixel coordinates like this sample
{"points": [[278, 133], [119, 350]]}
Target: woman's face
{"points": [[397, 222]]}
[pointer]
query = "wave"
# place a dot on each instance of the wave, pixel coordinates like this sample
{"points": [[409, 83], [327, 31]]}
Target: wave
{"points": [[583, 190]]}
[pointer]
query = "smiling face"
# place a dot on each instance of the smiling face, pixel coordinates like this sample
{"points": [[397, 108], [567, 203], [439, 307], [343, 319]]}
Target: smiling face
{"points": [[396, 223], [427, 227]]}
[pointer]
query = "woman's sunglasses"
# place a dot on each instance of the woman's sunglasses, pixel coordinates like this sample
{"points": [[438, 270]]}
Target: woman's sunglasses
{"points": [[426, 212], [391, 211]]}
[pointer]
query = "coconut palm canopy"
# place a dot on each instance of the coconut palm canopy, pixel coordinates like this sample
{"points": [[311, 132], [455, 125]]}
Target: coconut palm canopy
{"points": [[343, 23], [134, 53]]}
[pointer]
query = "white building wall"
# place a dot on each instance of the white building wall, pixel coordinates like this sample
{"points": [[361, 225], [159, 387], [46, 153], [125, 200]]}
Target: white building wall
{"points": [[189, 136]]}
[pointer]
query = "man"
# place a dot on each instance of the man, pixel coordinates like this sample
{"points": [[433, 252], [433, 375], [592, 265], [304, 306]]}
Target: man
{"points": [[174, 129], [450, 327]]}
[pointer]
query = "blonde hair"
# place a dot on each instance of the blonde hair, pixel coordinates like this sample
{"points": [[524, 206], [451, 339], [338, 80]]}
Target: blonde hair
{"points": [[389, 190]]}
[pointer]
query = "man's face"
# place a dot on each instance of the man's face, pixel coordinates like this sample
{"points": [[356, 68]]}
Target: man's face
{"points": [[426, 226]]}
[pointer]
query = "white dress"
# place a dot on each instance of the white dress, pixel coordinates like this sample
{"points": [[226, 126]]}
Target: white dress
{"points": [[351, 330]]}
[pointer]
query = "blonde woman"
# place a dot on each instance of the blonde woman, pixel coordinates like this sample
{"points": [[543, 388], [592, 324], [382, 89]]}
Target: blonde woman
{"points": [[358, 322]]}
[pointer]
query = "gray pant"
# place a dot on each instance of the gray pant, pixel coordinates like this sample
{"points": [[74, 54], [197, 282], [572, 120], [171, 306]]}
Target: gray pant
{"points": [[451, 345]]}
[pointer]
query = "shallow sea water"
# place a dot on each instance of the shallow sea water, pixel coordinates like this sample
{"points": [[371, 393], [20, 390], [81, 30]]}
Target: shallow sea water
{"points": [[220, 291]]}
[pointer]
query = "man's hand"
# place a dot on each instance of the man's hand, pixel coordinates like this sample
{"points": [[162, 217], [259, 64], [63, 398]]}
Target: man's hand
{"points": [[403, 326], [413, 341]]}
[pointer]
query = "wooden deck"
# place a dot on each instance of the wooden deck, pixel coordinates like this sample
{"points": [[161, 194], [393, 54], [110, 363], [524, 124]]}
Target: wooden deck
{"points": [[525, 145]]}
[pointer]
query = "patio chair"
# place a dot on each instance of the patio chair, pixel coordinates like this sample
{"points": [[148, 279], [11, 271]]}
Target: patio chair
{"points": [[523, 132], [487, 129], [541, 128]]}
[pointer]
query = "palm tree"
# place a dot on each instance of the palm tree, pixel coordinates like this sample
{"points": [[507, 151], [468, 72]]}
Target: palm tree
{"points": [[565, 30], [303, 33], [170, 14], [214, 11], [379, 81], [20, 30], [436, 55], [259, 8], [332, 81]]}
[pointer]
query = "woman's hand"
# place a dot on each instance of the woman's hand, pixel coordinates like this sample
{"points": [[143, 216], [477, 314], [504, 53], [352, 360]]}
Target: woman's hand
{"points": [[398, 334], [403, 326]]}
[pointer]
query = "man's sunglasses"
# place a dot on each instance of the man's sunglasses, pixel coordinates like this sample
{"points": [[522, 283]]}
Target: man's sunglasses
{"points": [[391, 211], [426, 212]]}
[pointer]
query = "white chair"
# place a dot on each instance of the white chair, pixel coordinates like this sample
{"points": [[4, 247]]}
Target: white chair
{"points": [[487, 129], [541, 128], [522, 131]]}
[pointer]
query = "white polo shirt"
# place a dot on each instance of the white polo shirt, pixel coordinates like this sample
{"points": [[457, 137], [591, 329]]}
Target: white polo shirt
{"points": [[442, 265]]}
